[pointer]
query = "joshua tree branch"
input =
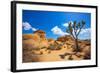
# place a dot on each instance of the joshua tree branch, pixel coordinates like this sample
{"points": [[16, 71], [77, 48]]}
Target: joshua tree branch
{"points": [[73, 35], [79, 30]]}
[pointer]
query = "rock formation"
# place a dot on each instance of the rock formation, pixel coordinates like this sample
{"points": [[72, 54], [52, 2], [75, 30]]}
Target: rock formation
{"points": [[37, 48]]}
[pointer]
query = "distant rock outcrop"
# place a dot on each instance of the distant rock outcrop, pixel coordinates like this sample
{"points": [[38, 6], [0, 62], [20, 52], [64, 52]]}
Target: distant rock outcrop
{"points": [[65, 38]]}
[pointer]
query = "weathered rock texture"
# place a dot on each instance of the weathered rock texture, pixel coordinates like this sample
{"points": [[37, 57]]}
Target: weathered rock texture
{"points": [[37, 48]]}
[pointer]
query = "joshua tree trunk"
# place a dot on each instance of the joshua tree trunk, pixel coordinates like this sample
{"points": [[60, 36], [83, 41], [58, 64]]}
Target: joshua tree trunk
{"points": [[76, 45]]}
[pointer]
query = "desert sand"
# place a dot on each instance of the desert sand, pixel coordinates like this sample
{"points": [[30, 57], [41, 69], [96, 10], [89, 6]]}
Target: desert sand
{"points": [[37, 48]]}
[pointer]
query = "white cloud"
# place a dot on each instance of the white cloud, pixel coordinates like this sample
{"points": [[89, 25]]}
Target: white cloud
{"points": [[66, 24], [85, 30], [85, 34], [57, 31], [27, 26], [34, 29]]}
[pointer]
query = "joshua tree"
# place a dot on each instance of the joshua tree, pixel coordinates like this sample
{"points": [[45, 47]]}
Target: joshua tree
{"points": [[74, 30]]}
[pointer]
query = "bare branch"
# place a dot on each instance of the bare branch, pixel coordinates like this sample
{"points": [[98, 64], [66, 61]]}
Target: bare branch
{"points": [[83, 23]]}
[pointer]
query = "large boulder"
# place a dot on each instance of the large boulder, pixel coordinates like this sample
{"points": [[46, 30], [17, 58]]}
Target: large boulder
{"points": [[65, 38], [35, 41]]}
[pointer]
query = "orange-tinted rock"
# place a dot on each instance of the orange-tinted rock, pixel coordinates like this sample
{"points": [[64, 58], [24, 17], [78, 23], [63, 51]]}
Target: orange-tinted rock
{"points": [[65, 38], [40, 33], [37, 48]]}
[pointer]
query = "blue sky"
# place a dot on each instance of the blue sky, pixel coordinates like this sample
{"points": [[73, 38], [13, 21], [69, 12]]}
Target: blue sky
{"points": [[54, 23]]}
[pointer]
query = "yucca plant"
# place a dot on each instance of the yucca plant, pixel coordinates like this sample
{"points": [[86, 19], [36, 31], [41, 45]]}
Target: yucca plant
{"points": [[74, 30]]}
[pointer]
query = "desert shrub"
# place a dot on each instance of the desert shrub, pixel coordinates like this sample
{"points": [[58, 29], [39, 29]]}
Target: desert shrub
{"points": [[51, 47]]}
